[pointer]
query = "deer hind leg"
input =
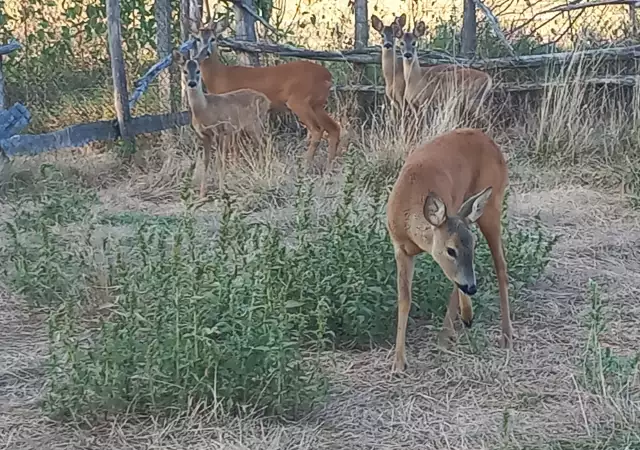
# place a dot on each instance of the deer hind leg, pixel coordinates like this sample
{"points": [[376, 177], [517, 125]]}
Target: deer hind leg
{"points": [[206, 157], [307, 116], [490, 226], [333, 133], [404, 265]]}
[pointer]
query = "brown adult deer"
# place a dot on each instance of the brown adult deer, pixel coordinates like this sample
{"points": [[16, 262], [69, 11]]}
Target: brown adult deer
{"points": [[445, 186], [301, 86], [440, 82], [217, 116], [392, 66]]}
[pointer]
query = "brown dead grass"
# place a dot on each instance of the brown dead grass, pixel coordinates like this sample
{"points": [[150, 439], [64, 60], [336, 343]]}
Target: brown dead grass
{"points": [[475, 396]]}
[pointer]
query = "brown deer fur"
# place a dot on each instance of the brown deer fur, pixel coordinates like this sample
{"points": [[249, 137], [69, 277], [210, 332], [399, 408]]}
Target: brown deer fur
{"points": [[444, 186], [441, 82], [221, 115], [301, 86]]}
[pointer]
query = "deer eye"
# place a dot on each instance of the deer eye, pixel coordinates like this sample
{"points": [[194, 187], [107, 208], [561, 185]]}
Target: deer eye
{"points": [[197, 72], [413, 44], [452, 252]]}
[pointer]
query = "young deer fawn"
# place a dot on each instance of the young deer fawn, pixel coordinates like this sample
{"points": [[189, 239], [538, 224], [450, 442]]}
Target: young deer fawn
{"points": [[301, 86], [392, 69], [216, 116], [457, 179], [425, 84]]}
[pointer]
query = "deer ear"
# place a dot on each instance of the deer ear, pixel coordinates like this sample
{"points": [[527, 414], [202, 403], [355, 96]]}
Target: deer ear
{"points": [[397, 31], [204, 54], [376, 23], [420, 29], [178, 57], [435, 210], [402, 20], [473, 207]]}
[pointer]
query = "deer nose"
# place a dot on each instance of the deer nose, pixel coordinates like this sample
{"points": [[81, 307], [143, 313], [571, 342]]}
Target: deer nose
{"points": [[408, 55], [387, 45], [192, 84], [469, 289]]}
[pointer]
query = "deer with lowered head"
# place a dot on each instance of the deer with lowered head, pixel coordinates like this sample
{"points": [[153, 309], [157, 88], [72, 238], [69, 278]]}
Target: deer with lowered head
{"points": [[444, 187], [216, 116], [301, 86], [424, 84]]}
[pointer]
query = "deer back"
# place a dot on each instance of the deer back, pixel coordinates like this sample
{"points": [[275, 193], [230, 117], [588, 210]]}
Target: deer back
{"points": [[454, 166], [281, 83]]}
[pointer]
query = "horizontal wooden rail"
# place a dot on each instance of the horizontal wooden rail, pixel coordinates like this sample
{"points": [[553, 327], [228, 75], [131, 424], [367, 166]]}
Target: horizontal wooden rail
{"points": [[519, 87], [9, 48], [84, 133], [371, 55]]}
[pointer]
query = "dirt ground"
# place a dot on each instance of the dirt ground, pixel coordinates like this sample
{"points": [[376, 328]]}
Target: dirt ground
{"points": [[469, 398]]}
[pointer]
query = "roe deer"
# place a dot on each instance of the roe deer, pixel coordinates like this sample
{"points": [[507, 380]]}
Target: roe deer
{"points": [[439, 82], [445, 186], [392, 69], [301, 86], [216, 115]]}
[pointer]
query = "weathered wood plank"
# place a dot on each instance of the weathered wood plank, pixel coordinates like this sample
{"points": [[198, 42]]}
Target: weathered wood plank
{"points": [[517, 87], [114, 36], [10, 47], [162, 14], [13, 120], [371, 55], [84, 133], [142, 84]]}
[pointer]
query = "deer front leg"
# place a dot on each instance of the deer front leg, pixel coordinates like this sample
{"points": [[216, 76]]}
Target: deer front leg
{"points": [[448, 327], [206, 156], [404, 266]]}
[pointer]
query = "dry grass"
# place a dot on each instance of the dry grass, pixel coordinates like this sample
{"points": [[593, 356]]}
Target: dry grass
{"points": [[473, 397]]}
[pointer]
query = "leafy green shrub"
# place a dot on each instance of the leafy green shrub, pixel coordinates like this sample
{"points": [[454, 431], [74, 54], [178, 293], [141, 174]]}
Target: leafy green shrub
{"points": [[192, 319], [604, 371], [233, 317], [45, 268]]}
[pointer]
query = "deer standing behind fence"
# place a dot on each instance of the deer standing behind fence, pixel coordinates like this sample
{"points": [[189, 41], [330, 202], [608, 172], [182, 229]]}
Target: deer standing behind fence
{"points": [[301, 86], [216, 117], [424, 85], [444, 186], [392, 66]]}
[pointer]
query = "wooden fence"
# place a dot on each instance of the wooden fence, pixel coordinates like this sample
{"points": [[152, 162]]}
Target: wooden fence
{"points": [[125, 127]]}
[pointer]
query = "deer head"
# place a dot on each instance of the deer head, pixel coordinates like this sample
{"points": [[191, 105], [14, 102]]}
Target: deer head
{"points": [[207, 36], [388, 32], [453, 240], [409, 40], [191, 67]]}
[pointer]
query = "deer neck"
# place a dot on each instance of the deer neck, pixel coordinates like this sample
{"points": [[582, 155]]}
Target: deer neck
{"points": [[197, 100], [412, 70], [390, 64], [210, 66]]}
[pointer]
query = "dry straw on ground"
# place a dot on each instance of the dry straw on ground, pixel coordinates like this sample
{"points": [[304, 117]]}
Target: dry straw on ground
{"points": [[473, 397]]}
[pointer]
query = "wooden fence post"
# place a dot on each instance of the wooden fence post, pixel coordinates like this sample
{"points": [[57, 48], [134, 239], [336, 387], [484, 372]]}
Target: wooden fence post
{"points": [[1, 85], [121, 97], [246, 31], [162, 11], [469, 29], [360, 41], [634, 21], [185, 30]]}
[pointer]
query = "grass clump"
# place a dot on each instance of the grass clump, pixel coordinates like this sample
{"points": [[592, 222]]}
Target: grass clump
{"points": [[604, 371], [174, 315]]}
